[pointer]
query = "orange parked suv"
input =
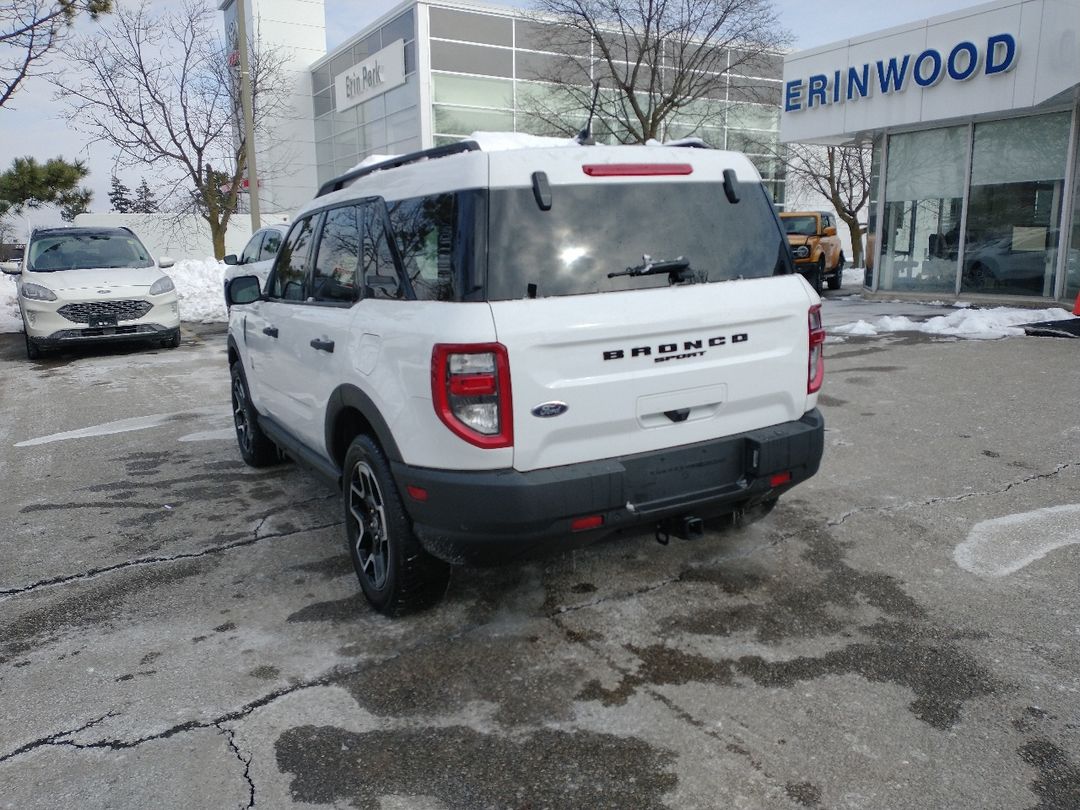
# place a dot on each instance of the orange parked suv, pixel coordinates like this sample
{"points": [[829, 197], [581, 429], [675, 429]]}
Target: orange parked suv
{"points": [[819, 256]]}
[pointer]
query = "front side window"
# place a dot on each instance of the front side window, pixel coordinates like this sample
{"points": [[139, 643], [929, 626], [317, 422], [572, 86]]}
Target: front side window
{"points": [[593, 230], [83, 251], [290, 270], [270, 245], [251, 249], [338, 256]]}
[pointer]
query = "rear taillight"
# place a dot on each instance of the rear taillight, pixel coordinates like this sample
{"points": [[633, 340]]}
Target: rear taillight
{"points": [[815, 374], [470, 388]]}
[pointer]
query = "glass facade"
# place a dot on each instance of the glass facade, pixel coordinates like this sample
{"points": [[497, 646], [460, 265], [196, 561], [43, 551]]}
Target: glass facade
{"points": [[485, 74], [981, 208]]}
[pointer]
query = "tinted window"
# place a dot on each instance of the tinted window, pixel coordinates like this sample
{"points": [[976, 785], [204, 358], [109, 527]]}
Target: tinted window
{"points": [[594, 230], [76, 251], [251, 249], [338, 256], [380, 273], [291, 268], [424, 229], [270, 245], [464, 25]]}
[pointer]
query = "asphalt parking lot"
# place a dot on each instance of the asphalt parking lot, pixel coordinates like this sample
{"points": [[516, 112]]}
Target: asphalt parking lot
{"points": [[903, 631]]}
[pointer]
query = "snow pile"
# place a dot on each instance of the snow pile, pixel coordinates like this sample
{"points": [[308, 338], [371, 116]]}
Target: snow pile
{"points": [[10, 319], [200, 286], [972, 324]]}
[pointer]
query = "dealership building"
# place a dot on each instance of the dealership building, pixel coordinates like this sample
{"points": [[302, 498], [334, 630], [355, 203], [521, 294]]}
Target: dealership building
{"points": [[433, 71], [973, 118]]}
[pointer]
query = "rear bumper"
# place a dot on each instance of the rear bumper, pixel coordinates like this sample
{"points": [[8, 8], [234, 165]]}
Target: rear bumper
{"points": [[501, 514]]}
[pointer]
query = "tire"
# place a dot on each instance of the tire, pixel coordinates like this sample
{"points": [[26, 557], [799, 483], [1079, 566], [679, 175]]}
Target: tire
{"points": [[256, 448], [819, 276], [33, 351], [836, 279], [396, 575]]}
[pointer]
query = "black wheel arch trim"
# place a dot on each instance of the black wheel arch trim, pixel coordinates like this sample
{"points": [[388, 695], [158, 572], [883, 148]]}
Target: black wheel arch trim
{"points": [[349, 396]]}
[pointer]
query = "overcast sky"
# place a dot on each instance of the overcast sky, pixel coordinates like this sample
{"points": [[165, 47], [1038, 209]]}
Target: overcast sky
{"points": [[30, 124]]}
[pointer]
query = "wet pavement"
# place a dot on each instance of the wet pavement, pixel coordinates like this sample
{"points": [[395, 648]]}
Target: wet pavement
{"points": [[178, 630]]}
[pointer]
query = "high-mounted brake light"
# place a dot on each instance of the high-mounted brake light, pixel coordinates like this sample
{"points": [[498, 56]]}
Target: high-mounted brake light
{"points": [[815, 369], [470, 389], [635, 169]]}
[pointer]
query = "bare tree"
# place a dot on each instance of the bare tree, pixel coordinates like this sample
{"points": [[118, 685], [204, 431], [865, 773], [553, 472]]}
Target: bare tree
{"points": [[654, 60], [32, 29], [163, 91], [841, 174]]}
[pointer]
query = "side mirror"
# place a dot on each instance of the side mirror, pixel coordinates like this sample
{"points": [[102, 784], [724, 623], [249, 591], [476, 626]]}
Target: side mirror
{"points": [[243, 290], [231, 259], [11, 268], [165, 262], [830, 231]]}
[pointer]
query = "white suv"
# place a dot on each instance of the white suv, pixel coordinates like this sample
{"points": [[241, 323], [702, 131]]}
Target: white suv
{"points": [[500, 353], [89, 285]]}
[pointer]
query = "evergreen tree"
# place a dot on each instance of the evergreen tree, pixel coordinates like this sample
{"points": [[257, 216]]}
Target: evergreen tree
{"points": [[144, 202], [119, 197], [29, 184]]}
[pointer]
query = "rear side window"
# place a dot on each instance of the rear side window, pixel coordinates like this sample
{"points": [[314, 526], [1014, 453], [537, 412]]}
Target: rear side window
{"points": [[378, 268], [424, 228], [291, 268], [596, 229], [338, 256]]}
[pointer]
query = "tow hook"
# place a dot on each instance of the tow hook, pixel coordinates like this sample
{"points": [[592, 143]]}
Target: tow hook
{"points": [[686, 527]]}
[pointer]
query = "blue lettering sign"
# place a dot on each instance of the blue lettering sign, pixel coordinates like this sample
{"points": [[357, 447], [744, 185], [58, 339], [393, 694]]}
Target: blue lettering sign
{"points": [[970, 66], [836, 87], [918, 71], [893, 77], [858, 83], [995, 44], [816, 89], [793, 96]]}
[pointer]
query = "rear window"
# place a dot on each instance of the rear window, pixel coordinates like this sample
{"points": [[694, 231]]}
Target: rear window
{"points": [[87, 250], [601, 228]]}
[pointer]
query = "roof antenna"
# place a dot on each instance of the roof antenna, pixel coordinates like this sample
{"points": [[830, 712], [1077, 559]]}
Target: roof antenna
{"points": [[585, 137]]}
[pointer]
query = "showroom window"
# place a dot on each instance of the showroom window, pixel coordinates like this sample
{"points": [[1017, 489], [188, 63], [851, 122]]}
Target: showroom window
{"points": [[1014, 211], [924, 194], [1072, 257]]}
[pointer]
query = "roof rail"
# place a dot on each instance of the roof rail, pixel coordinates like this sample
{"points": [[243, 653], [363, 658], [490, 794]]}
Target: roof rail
{"points": [[456, 148], [689, 143]]}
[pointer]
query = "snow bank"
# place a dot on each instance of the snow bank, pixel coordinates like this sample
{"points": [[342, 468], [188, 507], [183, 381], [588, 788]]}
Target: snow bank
{"points": [[972, 324], [200, 286]]}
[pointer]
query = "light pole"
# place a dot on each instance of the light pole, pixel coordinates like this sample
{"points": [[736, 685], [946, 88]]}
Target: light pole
{"points": [[249, 120]]}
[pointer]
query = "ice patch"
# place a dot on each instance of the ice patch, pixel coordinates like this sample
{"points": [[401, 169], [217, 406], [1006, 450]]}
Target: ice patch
{"points": [[208, 435], [1002, 546]]}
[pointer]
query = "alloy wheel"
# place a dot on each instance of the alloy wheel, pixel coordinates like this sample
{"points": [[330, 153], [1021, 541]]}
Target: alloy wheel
{"points": [[367, 511], [240, 416]]}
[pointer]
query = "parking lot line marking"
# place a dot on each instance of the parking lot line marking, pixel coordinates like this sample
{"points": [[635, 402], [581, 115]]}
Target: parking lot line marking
{"points": [[119, 426]]}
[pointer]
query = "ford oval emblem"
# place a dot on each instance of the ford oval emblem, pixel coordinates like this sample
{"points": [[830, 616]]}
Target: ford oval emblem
{"points": [[549, 409], [104, 292]]}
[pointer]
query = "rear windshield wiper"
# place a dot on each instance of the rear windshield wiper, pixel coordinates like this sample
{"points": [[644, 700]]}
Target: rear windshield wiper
{"points": [[673, 267]]}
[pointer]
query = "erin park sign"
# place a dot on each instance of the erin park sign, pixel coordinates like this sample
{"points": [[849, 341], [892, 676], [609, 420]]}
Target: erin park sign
{"points": [[964, 61], [380, 72]]}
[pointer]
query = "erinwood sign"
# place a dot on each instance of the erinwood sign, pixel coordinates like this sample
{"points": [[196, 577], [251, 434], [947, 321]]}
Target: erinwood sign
{"points": [[1002, 57], [380, 72]]}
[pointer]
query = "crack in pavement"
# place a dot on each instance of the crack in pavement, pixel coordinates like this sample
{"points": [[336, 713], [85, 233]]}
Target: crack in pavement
{"points": [[954, 498], [189, 555], [230, 737], [55, 739]]}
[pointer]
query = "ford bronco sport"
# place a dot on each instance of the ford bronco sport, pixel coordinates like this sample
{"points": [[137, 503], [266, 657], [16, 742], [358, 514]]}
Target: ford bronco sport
{"points": [[819, 255], [499, 353]]}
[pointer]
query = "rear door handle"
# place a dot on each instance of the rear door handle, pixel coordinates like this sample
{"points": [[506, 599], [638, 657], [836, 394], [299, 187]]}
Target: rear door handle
{"points": [[270, 331], [323, 345]]}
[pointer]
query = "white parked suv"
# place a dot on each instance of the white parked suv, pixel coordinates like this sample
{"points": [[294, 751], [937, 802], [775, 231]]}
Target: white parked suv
{"points": [[258, 254], [88, 285], [499, 353]]}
